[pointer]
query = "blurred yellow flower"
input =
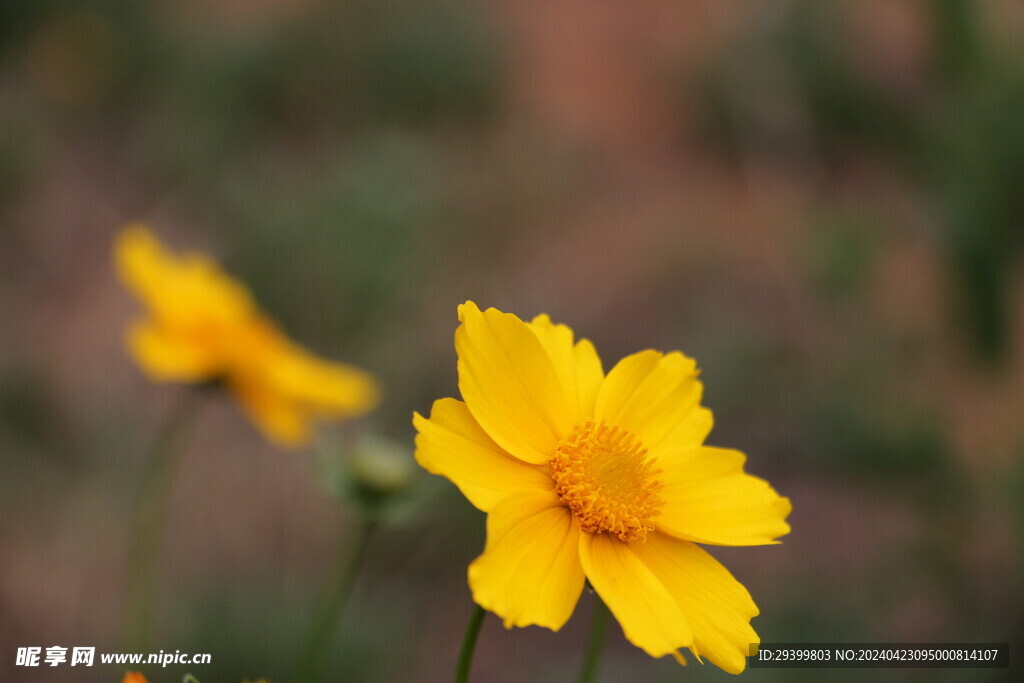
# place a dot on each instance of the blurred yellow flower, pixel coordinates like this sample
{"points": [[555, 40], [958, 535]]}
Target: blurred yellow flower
{"points": [[202, 326], [602, 477]]}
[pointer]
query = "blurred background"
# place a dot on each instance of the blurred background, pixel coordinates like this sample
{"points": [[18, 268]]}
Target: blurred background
{"points": [[821, 202]]}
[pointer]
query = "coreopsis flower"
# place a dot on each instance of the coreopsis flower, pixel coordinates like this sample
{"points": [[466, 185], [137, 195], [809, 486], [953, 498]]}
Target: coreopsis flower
{"points": [[202, 326], [600, 477]]}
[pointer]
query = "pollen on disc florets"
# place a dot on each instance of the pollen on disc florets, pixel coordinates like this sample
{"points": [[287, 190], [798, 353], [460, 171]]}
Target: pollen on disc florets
{"points": [[603, 474]]}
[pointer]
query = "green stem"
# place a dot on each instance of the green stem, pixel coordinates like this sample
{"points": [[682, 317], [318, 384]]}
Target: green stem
{"points": [[313, 656], [595, 642], [469, 644], [151, 507]]}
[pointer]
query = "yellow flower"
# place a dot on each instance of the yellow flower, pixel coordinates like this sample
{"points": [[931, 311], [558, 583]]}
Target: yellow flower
{"points": [[585, 475], [203, 326]]}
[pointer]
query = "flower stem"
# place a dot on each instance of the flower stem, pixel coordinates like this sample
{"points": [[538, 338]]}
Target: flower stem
{"points": [[151, 507], [469, 644], [313, 656], [595, 642]]}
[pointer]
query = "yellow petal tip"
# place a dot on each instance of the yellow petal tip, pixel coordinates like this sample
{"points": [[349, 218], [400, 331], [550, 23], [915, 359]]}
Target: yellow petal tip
{"points": [[468, 307]]}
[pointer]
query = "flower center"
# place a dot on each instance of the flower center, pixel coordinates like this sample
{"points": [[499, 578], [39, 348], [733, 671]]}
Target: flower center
{"points": [[602, 473]]}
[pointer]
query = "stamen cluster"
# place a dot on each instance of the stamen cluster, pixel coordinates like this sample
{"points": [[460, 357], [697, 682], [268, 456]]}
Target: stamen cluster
{"points": [[603, 474]]}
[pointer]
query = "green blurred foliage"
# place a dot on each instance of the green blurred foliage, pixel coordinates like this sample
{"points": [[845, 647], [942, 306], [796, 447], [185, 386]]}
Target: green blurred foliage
{"points": [[959, 140], [25, 411], [845, 106], [253, 628], [842, 251], [427, 63], [359, 230], [890, 448], [17, 20], [19, 155], [317, 80]]}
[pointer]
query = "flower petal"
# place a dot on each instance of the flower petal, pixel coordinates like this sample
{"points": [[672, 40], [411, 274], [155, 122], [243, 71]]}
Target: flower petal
{"points": [[452, 444], [142, 263], [716, 606], [282, 421], [692, 432], [710, 499], [321, 386], [577, 364], [589, 375], [510, 384], [165, 356], [647, 612], [652, 395], [181, 290], [529, 572]]}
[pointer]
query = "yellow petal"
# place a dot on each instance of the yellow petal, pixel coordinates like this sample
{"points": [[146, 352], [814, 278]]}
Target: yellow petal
{"points": [[321, 386], [647, 612], [530, 570], [650, 394], [577, 364], [165, 356], [181, 290], [710, 499], [141, 261], [282, 421], [452, 444], [510, 384], [589, 375], [692, 431], [716, 606]]}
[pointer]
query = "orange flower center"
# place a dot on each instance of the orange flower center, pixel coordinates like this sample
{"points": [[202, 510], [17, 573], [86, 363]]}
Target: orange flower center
{"points": [[603, 474]]}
